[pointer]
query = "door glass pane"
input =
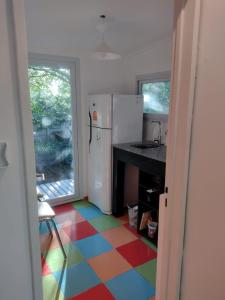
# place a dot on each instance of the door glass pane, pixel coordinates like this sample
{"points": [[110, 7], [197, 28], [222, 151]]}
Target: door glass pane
{"points": [[156, 97], [50, 96]]}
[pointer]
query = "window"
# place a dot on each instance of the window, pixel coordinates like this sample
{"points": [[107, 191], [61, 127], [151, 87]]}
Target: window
{"points": [[156, 91]]}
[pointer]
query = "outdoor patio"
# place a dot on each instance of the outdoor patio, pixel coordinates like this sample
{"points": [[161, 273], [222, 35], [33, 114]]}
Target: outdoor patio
{"points": [[58, 181], [56, 189]]}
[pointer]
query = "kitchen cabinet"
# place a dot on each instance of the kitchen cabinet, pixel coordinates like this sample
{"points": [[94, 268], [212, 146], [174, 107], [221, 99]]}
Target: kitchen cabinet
{"points": [[151, 163]]}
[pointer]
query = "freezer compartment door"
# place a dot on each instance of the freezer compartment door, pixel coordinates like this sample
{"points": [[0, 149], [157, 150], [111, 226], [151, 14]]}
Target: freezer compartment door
{"points": [[100, 109], [99, 169], [127, 118]]}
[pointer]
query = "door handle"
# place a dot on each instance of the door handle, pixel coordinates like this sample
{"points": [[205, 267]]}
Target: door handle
{"points": [[90, 138]]}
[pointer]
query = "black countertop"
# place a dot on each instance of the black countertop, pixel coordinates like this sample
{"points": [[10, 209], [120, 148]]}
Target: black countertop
{"points": [[158, 153]]}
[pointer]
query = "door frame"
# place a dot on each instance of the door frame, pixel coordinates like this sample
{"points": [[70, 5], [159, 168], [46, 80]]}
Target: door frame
{"points": [[74, 65], [172, 218], [170, 279]]}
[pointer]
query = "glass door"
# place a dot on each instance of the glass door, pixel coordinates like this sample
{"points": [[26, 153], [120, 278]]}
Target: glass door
{"points": [[53, 104]]}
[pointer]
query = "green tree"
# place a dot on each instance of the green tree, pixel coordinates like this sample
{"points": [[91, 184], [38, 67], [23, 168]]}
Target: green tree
{"points": [[50, 95], [156, 95]]}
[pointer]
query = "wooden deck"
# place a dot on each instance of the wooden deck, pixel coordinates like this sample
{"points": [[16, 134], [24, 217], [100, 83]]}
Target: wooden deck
{"points": [[56, 189]]}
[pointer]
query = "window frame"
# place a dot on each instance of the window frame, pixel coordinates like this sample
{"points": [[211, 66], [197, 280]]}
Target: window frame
{"points": [[150, 78]]}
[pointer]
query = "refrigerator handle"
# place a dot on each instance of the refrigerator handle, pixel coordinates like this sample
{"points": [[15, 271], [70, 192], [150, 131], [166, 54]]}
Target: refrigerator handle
{"points": [[90, 138]]}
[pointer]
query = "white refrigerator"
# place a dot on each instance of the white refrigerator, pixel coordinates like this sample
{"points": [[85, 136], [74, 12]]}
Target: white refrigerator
{"points": [[112, 119]]}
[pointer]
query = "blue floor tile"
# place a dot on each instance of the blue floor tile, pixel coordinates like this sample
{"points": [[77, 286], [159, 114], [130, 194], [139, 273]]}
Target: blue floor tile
{"points": [[93, 246], [130, 285], [77, 279], [89, 212], [43, 228]]}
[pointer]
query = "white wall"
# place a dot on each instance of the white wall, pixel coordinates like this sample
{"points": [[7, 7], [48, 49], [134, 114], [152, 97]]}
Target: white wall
{"points": [[15, 263], [204, 253], [154, 59]]}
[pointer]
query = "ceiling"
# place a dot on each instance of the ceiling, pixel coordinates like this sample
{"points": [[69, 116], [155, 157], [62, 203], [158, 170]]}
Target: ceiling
{"points": [[71, 24]]}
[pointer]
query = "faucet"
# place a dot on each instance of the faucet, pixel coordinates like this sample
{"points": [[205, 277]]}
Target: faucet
{"points": [[159, 135]]}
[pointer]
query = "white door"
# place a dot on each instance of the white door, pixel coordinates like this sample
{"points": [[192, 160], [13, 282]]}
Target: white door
{"points": [[173, 202], [99, 169], [55, 129]]}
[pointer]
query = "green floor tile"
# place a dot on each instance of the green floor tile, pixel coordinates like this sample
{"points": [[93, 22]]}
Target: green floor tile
{"points": [[55, 259], [81, 203], [74, 256], [147, 242], [51, 288], [104, 223], [148, 271]]}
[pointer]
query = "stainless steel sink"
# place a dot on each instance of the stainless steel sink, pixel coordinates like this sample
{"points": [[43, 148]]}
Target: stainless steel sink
{"points": [[145, 145]]}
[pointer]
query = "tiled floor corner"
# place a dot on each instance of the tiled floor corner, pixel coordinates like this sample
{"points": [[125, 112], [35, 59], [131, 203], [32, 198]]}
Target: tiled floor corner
{"points": [[106, 258]]}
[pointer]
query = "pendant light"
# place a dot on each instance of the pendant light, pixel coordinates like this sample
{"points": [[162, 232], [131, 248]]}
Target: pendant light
{"points": [[103, 51]]}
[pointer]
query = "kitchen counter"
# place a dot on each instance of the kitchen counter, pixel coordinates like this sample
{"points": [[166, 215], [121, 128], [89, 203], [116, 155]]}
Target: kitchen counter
{"points": [[158, 153], [150, 161]]}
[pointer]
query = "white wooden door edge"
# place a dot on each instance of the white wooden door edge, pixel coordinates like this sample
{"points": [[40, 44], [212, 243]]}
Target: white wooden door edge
{"points": [[172, 218], [17, 8]]}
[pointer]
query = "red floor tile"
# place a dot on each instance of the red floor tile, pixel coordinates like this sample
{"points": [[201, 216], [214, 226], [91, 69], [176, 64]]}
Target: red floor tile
{"points": [[96, 293], [45, 268], [61, 209], [79, 231], [137, 253]]}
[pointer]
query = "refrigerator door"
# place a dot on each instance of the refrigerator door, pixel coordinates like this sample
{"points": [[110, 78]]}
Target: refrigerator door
{"points": [[99, 169], [100, 109], [127, 118]]}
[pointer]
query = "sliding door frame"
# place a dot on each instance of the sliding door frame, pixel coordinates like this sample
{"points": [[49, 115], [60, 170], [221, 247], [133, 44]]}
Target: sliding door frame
{"points": [[74, 65]]}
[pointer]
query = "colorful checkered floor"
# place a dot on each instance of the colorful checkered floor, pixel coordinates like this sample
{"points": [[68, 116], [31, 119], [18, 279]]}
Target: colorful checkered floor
{"points": [[106, 258]]}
